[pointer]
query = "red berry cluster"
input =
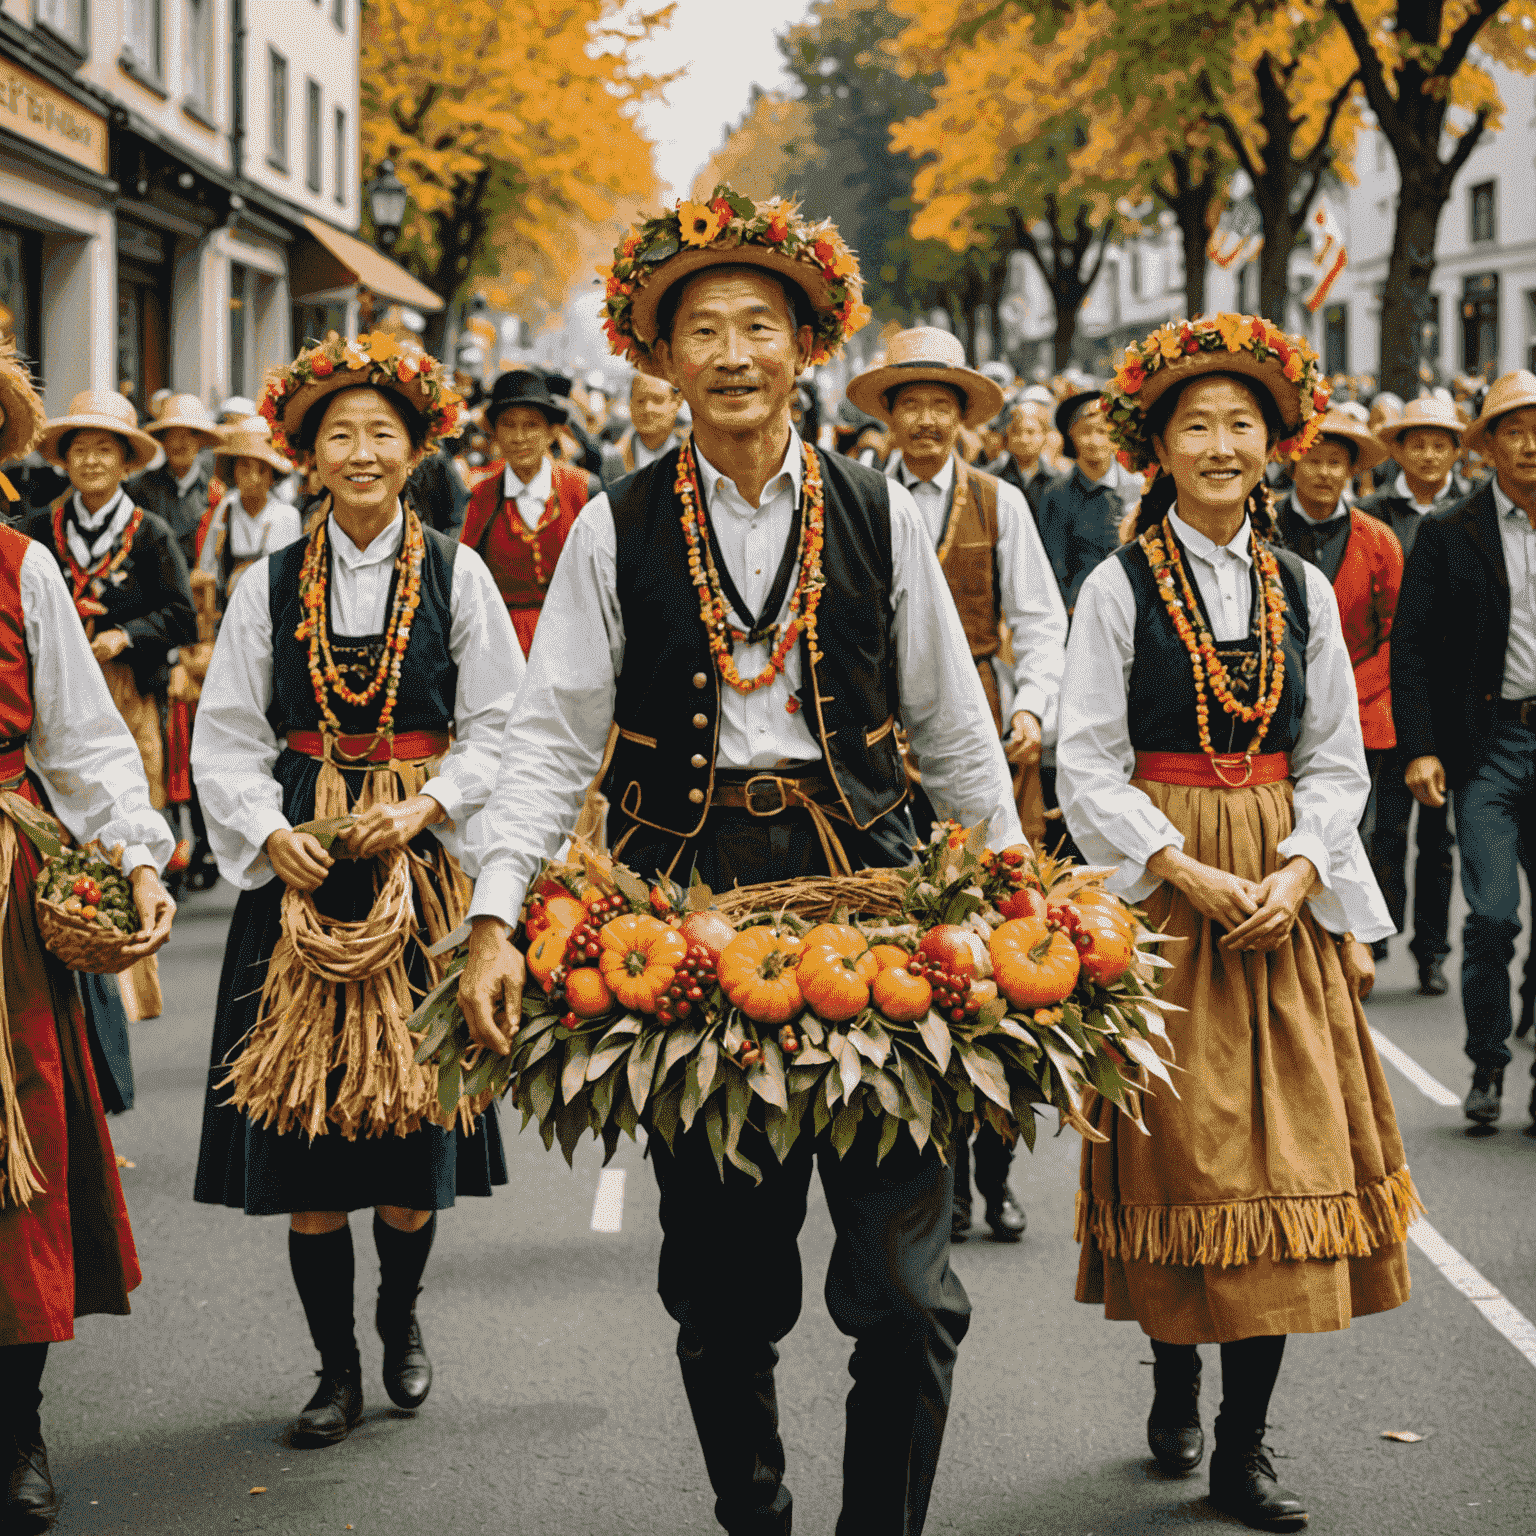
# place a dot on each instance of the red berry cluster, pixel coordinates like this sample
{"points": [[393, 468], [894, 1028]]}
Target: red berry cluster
{"points": [[951, 991], [1070, 921], [789, 1041], [694, 977], [583, 947]]}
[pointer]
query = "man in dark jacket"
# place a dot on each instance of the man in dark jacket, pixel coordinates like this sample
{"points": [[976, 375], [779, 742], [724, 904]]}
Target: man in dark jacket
{"points": [[1021, 466], [177, 490], [1080, 515], [1464, 703]]}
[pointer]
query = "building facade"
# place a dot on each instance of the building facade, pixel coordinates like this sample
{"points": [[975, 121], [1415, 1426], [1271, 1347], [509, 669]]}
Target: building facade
{"points": [[179, 181]]}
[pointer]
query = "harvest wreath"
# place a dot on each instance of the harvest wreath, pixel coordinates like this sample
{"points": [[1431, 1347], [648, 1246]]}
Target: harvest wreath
{"points": [[971, 984]]}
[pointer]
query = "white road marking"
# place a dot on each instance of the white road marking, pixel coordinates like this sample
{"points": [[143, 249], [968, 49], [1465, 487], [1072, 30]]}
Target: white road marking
{"points": [[1486, 1297], [1431, 1087], [608, 1207]]}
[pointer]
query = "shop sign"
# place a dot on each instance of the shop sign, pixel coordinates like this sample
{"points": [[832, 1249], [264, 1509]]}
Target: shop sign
{"points": [[36, 111]]}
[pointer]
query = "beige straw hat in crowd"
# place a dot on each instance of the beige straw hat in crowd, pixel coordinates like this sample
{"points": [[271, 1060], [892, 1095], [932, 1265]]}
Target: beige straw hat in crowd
{"points": [[1430, 411], [103, 411], [189, 412], [926, 354], [1512, 392], [249, 439], [1369, 449]]}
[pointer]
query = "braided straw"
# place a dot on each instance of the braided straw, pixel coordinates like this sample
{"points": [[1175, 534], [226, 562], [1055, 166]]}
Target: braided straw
{"points": [[872, 893]]}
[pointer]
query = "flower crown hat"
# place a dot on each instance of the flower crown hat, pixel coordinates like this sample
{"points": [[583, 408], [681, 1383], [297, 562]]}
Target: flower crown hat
{"points": [[1284, 366], [376, 360], [731, 230]]}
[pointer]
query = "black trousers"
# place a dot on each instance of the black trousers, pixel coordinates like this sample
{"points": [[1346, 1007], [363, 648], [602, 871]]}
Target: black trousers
{"points": [[993, 1157], [730, 1275], [1434, 868]]}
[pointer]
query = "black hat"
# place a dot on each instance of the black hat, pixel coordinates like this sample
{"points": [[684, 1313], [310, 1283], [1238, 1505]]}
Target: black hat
{"points": [[522, 386], [1066, 414]]}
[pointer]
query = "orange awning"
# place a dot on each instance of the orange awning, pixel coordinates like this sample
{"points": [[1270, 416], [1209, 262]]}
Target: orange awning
{"points": [[339, 260]]}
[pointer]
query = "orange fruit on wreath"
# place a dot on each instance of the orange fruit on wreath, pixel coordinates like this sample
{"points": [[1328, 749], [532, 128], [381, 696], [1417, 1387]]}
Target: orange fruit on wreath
{"points": [[836, 968], [902, 997], [889, 956], [1033, 964], [1111, 945], [586, 993], [546, 953], [640, 957], [758, 971], [563, 912]]}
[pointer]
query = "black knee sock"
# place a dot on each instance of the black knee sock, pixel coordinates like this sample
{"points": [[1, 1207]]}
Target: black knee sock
{"points": [[1175, 1378], [323, 1272], [21, 1388], [402, 1258], [1249, 1369]]}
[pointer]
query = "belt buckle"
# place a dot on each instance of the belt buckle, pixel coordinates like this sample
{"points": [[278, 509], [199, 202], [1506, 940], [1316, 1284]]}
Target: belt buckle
{"points": [[765, 778], [1232, 761], [1527, 708]]}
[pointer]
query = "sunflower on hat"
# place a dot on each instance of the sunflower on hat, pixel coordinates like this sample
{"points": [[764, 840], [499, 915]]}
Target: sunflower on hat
{"points": [[731, 230]]}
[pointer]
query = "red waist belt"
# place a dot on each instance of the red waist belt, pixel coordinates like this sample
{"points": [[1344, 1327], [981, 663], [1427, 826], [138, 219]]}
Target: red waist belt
{"points": [[1197, 770], [13, 765], [349, 751]]}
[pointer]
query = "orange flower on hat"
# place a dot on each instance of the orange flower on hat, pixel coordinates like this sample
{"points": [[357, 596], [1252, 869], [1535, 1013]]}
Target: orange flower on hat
{"points": [[381, 345], [701, 222]]}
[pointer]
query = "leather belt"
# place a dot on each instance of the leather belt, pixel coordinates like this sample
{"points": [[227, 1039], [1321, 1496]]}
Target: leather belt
{"points": [[356, 751], [1198, 770], [766, 795], [1523, 710]]}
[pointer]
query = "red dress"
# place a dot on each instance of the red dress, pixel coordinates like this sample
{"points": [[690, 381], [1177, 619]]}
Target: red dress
{"points": [[70, 1251], [496, 531]]}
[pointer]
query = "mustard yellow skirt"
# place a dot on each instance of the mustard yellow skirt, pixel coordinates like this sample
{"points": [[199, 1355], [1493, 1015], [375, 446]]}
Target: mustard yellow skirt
{"points": [[1272, 1195]]}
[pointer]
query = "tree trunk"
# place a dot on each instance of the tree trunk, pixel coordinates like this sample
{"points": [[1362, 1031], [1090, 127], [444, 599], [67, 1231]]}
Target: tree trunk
{"points": [[1406, 306], [1194, 236], [1067, 294]]}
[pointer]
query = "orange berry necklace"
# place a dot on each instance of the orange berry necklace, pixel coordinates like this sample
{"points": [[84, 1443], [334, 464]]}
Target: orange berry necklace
{"points": [[1162, 551], [324, 674], [714, 607]]}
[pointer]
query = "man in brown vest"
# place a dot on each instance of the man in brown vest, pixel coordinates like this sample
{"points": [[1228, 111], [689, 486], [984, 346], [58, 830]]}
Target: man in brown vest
{"points": [[1008, 601]]}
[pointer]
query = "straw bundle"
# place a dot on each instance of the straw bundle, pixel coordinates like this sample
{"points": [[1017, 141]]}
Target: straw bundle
{"points": [[872, 893], [20, 1177]]}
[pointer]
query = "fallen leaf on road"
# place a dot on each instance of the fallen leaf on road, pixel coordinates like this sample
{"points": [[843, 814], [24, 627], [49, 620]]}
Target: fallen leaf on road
{"points": [[258, 1490], [1407, 1436]]}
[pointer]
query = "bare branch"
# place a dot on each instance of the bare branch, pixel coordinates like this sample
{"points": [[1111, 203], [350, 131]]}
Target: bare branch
{"points": [[1462, 39], [1469, 141], [1371, 74]]}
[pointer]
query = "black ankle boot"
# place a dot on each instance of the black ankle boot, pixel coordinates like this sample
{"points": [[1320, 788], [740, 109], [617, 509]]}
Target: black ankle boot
{"points": [[407, 1370], [332, 1413], [1174, 1435], [1244, 1485], [30, 1502]]}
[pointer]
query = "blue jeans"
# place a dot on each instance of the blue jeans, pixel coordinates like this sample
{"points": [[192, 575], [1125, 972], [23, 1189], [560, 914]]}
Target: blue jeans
{"points": [[1495, 822]]}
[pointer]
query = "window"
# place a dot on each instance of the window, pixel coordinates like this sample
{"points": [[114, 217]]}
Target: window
{"points": [[341, 156], [241, 304], [312, 148], [277, 110], [1480, 324], [200, 54], [339, 13], [142, 50], [1484, 217], [65, 19], [1336, 339], [1530, 329]]}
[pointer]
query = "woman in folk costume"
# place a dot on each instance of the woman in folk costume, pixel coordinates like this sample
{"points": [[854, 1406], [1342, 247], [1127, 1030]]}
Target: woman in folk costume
{"points": [[250, 521], [1210, 748], [365, 670], [65, 1246], [519, 520], [130, 587]]}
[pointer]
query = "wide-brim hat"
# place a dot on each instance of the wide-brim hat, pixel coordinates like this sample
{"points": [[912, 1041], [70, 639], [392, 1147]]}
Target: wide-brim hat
{"points": [[1266, 373], [1369, 449], [522, 386], [1509, 392], [24, 414], [1067, 412], [926, 355], [249, 439], [187, 411], [101, 410], [1427, 412]]}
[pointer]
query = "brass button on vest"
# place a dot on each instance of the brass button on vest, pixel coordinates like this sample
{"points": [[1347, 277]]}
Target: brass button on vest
{"points": [[697, 796], [698, 760], [700, 679], [700, 721]]}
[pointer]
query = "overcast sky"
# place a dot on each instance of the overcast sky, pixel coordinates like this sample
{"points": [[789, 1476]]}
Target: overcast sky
{"points": [[726, 46]]}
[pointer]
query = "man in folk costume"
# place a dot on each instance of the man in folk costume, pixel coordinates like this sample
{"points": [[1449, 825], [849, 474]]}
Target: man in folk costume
{"points": [[176, 491], [364, 671], [1426, 440], [756, 616], [1000, 579], [1210, 749], [519, 520], [129, 581], [66, 1250], [1080, 514], [654, 405]]}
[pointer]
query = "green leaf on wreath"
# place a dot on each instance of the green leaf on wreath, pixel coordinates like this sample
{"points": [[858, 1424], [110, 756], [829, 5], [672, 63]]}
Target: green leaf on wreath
{"points": [[642, 1067], [633, 889], [767, 1079], [889, 1131], [573, 1076], [937, 1038]]}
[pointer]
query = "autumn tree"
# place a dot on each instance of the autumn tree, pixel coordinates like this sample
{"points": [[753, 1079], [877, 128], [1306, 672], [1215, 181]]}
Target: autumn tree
{"points": [[512, 122], [1424, 69], [771, 152]]}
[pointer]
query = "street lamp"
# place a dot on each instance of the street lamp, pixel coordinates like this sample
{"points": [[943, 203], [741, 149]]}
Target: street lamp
{"points": [[387, 196]]}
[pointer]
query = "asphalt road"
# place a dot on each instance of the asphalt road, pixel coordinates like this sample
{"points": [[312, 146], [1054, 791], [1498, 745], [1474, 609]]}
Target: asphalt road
{"points": [[557, 1408]]}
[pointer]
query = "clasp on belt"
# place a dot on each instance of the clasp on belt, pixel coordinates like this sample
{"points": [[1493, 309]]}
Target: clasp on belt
{"points": [[749, 795], [1233, 761], [1527, 711]]}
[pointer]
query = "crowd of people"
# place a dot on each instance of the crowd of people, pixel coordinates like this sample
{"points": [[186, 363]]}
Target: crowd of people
{"points": [[1191, 623]]}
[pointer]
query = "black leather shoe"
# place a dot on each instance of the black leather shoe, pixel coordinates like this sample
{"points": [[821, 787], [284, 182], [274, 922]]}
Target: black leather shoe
{"points": [[1483, 1103], [407, 1371], [960, 1224], [1006, 1218], [1432, 982], [1244, 1485], [332, 1413], [30, 1502], [1174, 1435]]}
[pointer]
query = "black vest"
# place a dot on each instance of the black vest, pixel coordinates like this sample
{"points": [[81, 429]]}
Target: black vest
{"points": [[429, 677], [668, 705], [1161, 694]]}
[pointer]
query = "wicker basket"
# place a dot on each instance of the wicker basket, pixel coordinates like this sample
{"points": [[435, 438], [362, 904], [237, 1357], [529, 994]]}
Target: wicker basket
{"points": [[83, 944], [815, 898]]}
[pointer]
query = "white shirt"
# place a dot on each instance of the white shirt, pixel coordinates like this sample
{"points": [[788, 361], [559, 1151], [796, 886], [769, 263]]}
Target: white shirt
{"points": [[1031, 600], [1115, 823], [234, 747], [103, 525], [78, 744], [1519, 541], [644, 455], [1401, 489], [530, 499], [559, 725], [276, 525], [185, 482]]}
